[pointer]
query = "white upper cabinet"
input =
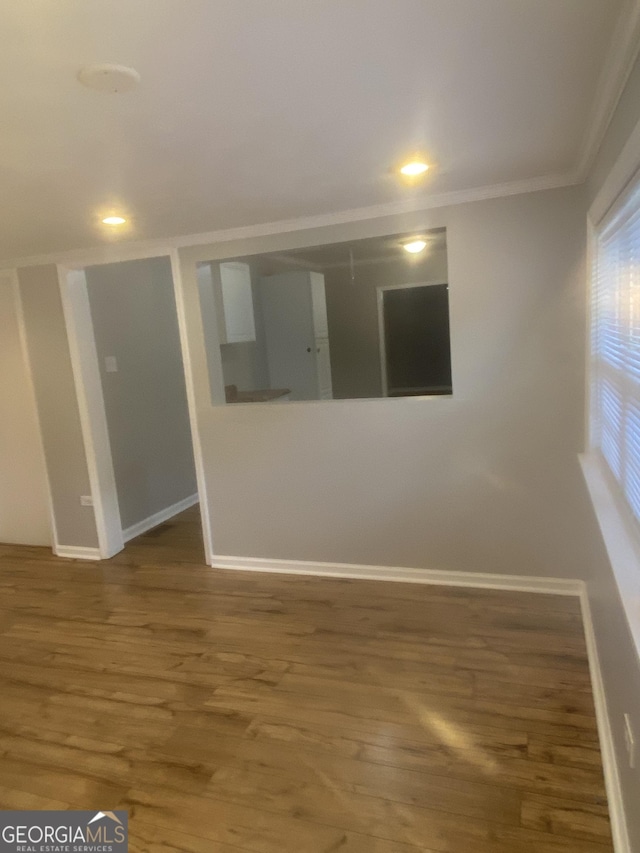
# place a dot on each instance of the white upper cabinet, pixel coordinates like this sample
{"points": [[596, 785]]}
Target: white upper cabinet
{"points": [[319, 305], [234, 302]]}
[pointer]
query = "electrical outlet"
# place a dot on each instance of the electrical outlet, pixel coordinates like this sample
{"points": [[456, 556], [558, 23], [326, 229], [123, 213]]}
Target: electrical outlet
{"points": [[111, 364], [86, 500], [630, 741]]}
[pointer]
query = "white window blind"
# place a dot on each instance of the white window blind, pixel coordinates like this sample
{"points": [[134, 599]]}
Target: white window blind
{"points": [[615, 312]]}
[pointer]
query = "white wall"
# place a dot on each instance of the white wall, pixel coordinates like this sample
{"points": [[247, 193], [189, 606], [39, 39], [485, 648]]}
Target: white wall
{"points": [[24, 507], [487, 481], [57, 405], [134, 320]]}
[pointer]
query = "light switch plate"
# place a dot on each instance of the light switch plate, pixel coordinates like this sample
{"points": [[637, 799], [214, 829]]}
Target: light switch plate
{"points": [[110, 364]]}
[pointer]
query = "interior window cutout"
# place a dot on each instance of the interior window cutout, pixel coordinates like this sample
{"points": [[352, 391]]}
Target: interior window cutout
{"points": [[353, 320]]}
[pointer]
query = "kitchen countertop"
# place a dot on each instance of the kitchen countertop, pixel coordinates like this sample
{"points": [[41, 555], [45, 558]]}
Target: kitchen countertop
{"points": [[257, 395]]}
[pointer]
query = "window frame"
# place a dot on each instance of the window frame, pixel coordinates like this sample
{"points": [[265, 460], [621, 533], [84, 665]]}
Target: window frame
{"points": [[600, 235], [618, 524]]}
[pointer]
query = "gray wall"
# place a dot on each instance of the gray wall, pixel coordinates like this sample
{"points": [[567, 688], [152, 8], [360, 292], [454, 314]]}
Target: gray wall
{"points": [[352, 311], [24, 509], [57, 405], [619, 659], [134, 319], [487, 481]]}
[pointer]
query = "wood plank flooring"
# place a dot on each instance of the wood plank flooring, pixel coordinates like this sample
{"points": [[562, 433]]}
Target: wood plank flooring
{"points": [[232, 711]]}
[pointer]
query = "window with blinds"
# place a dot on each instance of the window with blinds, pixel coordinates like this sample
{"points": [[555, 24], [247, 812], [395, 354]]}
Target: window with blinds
{"points": [[615, 312]]}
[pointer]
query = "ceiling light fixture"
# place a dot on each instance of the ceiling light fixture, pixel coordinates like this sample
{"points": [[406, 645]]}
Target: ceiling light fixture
{"points": [[415, 246], [114, 220], [414, 168]]}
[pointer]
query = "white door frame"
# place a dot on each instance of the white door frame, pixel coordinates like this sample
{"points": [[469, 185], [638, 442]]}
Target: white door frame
{"points": [[382, 343], [86, 372], [181, 307], [93, 419]]}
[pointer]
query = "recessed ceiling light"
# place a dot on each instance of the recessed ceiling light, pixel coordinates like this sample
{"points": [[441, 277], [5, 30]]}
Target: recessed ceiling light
{"points": [[414, 168], [114, 220], [415, 246]]}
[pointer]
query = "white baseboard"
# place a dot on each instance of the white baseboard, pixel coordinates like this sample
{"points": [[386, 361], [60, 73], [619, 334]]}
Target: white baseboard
{"points": [[157, 518], [556, 586], [77, 552], [621, 842]]}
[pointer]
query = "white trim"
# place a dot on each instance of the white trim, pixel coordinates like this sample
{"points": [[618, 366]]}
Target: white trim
{"points": [[623, 173], [620, 539], [591, 253], [151, 248], [615, 801], [618, 531], [157, 518], [93, 418], [180, 298], [382, 343], [77, 552], [31, 390], [442, 577], [79, 259], [117, 254], [619, 62]]}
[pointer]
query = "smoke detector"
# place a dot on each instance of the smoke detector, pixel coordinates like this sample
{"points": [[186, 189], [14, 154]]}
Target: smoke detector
{"points": [[114, 79]]}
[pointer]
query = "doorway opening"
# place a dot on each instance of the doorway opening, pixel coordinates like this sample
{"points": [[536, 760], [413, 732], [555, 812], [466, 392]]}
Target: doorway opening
{"points": [[415, 347], [132, 390]]}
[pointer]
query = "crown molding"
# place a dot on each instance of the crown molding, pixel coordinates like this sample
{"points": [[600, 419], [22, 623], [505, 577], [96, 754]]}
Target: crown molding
{"points": [[623, 173], [153, 248], [621, 56]]}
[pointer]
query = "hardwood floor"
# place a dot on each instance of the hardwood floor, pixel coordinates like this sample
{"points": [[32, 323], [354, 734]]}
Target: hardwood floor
{"points": [[232, 711]]}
